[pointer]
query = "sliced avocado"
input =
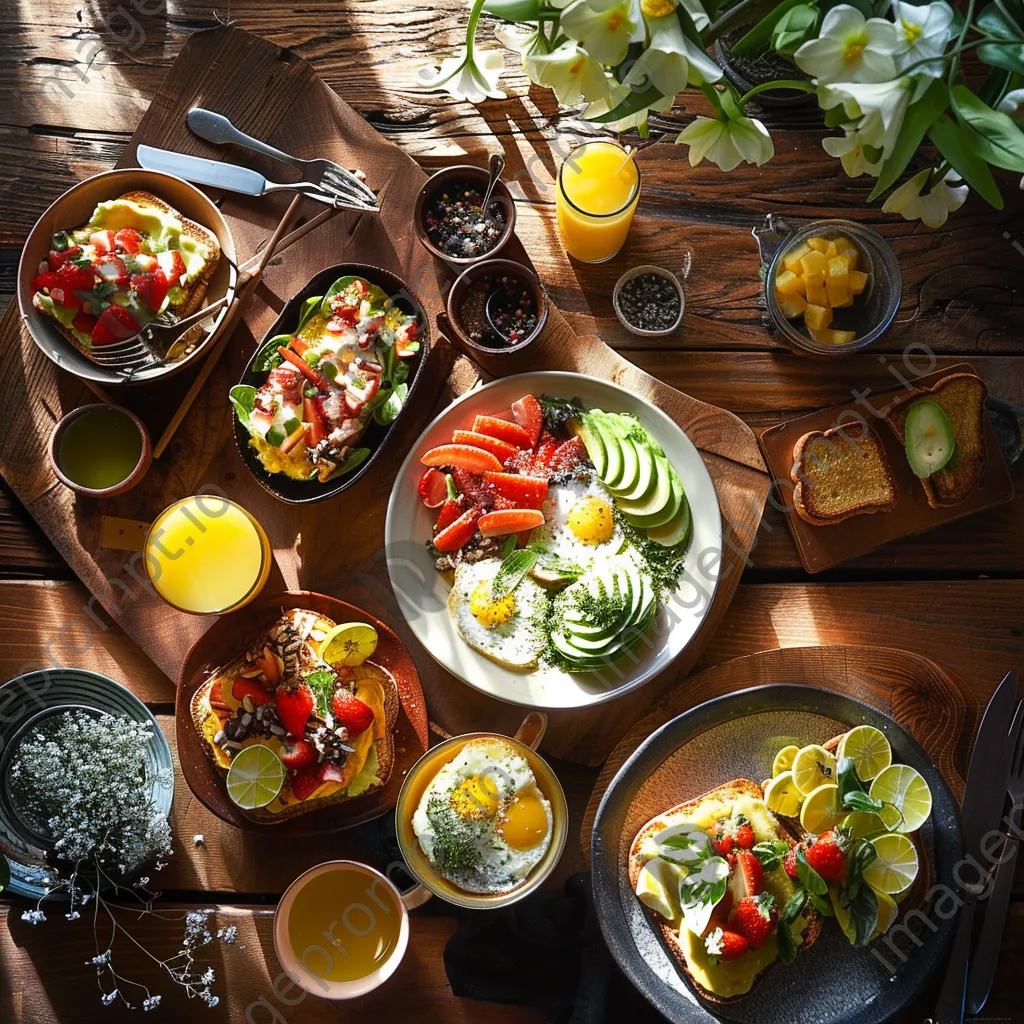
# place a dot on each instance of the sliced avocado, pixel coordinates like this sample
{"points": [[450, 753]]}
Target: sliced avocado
{"points": [[930, 439], [663, 502], [551, 577], [585, 429], [676, 530], [645, 481], [613, 450]]}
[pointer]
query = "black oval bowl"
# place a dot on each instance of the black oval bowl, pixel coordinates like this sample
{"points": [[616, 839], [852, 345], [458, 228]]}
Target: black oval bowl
{"points": [[305, 492]]}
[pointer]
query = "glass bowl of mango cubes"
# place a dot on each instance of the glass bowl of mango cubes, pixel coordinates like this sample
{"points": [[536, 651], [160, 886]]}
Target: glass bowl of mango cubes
{"points": [[833, 287]]}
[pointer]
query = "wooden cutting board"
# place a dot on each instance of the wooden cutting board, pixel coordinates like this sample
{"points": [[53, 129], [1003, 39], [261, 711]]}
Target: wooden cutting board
{"points": [[927, 700], [335, 547]]}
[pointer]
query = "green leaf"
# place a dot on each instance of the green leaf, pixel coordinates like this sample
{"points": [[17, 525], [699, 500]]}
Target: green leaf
{"points": [[757, 38], [770, 854], [994, 86], [688, 27], [268, 357], [822, 904], [353, 460], [1000, 141], [1000, 20], [808, 877], [633, 103], [309, 308], [378, 299], [512, 572], [858, 800], [243, 398], [794, 28], [919, 118], [794, 907], [864, 914], [321, 682], [957, 145], [835, 116], [786, 943], [387, 409], [514, 10]]}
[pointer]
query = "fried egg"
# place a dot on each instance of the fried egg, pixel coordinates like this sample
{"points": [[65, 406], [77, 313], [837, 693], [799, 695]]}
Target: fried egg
{"points": [[507, 629], [483, 822], [579, 522]]}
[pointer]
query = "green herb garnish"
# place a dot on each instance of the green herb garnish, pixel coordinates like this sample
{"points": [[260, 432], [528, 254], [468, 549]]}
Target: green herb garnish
{"points": [[321, 682], [512, 572]]}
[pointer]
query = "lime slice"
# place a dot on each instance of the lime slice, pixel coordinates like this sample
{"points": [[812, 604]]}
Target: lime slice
{"points": [[821, 810], [255, 777], [895, 867], [784, 759], [887, 913], [782, 796], [843, 916], [658, 888], [869, 750], [349, 643], [904, 792], [862, 824], [813, 766]]}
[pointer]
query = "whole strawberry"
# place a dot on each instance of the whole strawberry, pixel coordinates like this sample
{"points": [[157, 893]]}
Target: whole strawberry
{"points": [[744, 835], [294, 708], [351, 712], [305, 783], [724, 945], [298, 754], [722, 842], [826, 856], [756, 916]]}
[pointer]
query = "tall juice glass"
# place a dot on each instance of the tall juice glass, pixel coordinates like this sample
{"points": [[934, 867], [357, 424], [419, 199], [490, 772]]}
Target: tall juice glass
{"points": [[207, 555], [598, 189]]}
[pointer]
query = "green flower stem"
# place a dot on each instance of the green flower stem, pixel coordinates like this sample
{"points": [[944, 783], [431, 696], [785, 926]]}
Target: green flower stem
{"points": [[783, 83], [712, 94], [939, 174], [746, 12], [958, 49], [474, 20]]}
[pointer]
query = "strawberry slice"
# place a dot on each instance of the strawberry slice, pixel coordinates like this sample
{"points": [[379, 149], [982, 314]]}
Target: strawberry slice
{"points": [[151, 289], [461, 456], [459, 532], [450, 511], [503, 430], [242, 688], [172, 264], [298, 754], [568, 455], [44, 282], [501, 450], [306, 782], [128, 240], [102, 241], [57, 259], [294, 708], [330, 772], [433, 488], [351, 712], [498, 524], [747, 878], [529, 415], [84, 322], [316, 430], [114, 324], [473, 486], [524, 491]]}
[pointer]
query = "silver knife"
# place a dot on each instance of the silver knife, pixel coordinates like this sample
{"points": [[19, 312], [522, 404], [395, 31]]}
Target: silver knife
{"points": [[984, 793], [204, 171], [986, 953]]}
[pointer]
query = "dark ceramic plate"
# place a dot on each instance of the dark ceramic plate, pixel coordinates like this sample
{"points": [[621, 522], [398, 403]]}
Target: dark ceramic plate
{"points": [[304, 492], [736, 736]]}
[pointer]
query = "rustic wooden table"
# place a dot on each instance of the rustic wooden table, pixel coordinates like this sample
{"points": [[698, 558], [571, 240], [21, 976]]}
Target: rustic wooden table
{"points": [[74, 87]]}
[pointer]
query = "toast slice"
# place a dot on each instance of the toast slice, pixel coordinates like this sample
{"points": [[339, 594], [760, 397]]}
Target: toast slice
{"points": [[962, 398], [839, 473], [718, 802], [370, 763]]}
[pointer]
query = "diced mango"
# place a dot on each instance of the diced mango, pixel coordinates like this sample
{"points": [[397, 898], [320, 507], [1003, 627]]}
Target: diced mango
{"points": [[818, 244], [817, 317], [792, 260], [858, 282], [843, 337], [789, 283], [816, 293], [814, 263], [852, 254], [831, 251], [829, 337], [838, 268], [792, 306], [835, 289], [842, 242]]}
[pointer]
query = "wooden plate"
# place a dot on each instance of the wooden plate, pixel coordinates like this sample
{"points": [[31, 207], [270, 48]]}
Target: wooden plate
{"points": [[822, 547], [228, 637]]}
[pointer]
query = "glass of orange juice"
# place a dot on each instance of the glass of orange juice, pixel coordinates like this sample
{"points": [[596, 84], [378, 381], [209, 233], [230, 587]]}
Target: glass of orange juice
{"points": [[207, 555], [341, 929], [598, 189]]}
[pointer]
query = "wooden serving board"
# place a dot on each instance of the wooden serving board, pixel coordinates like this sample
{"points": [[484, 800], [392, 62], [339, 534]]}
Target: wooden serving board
{"points": [[335, 547], [928, 701], [822, 547]]}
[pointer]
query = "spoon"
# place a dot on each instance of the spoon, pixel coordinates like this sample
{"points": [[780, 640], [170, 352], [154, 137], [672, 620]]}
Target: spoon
{"points": [[495, 166], [493, 311]]}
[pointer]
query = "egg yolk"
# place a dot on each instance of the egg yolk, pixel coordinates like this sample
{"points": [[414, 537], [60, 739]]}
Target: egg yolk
{"points": [[487, 612], [524, 823], [476, 797], [590, 520]]}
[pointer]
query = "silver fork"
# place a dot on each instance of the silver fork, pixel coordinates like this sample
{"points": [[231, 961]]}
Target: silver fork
{"points": [[326, 175]]}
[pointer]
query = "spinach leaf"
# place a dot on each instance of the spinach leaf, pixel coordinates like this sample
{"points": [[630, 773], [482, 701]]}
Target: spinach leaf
{"points": [[267, 358], [308, 311], [243, 398], [378, 299], [353, 460]]}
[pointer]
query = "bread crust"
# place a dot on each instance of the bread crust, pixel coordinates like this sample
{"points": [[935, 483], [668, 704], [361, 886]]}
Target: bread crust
{"points": [[730, 791]]}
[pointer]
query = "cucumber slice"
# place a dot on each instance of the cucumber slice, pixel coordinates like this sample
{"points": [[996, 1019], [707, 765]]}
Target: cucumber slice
{"points": [[930, 440]]}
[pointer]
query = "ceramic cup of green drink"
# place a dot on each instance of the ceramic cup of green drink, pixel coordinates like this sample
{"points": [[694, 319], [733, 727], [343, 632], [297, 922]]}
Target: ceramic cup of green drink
{"points": [[100, 450]]}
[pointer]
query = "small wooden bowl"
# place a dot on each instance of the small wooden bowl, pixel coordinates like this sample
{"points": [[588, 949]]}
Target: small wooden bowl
{"points": [[450, 323], [133, 478], [478, 176]]}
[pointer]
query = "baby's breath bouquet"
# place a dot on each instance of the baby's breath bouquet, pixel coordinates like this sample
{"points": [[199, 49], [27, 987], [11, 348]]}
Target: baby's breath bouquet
{"points": [[81, 782], [887, 74]]}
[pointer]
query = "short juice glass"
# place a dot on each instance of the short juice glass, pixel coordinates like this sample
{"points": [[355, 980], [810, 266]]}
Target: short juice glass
{"points": [[207, 555], [598, 190]]}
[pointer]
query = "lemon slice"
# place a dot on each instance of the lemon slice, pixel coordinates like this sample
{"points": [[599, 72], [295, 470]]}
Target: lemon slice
{"points": [[349, 643], [784, 759], [895, 867], [869, 750], [782, 796], [813, 766], [902, 790], [821, 810], [862, 824], [255, 777], [658, 888], [887, 913]]}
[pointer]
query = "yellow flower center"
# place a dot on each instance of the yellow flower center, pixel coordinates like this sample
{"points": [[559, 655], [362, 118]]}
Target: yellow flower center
{"points": [[657, 8], [578, 66], [913, 32], [615, 20], [854, 48]]}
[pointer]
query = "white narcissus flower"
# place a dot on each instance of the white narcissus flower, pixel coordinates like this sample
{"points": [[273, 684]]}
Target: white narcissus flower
{"points": [[924, 33], [727, 143], [878, 107], [470, 75], [1013, 105], [571, 73], [850, 48], [521, 38], [935, 207], [671, 61], [662, 8], [850, 151], [604, 28]]}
